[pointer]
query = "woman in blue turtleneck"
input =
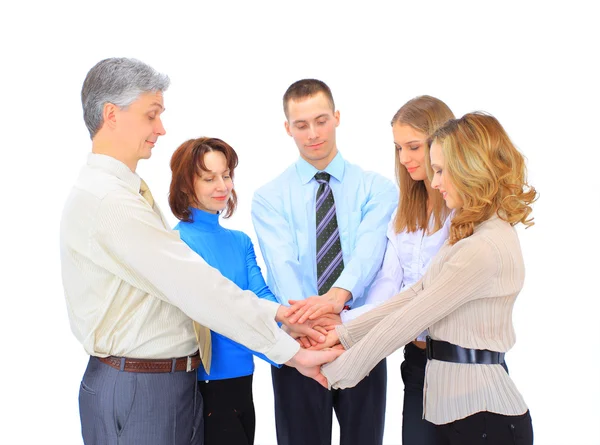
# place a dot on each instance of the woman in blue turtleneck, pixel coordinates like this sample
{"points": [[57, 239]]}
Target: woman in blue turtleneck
{"points": [[202, 191]]}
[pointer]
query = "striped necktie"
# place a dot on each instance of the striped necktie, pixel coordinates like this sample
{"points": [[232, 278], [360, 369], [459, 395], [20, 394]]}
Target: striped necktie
{"points": [[330, 262], [202, 333]]}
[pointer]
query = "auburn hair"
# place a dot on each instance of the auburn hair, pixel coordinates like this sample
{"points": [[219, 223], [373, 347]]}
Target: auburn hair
{"points": [[187, 163]]}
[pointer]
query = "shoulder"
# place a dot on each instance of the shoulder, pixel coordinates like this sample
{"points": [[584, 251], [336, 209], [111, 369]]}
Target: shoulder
{"points": [[275, 187], [366, 175], [371, 181], [491, 246], [239, 237]]}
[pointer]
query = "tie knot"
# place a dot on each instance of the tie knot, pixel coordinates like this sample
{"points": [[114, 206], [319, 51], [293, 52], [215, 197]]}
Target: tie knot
{"points": [[322, 177]]}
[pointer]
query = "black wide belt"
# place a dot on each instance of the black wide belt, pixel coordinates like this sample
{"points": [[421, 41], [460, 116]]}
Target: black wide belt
{"points": [[448, 352]]}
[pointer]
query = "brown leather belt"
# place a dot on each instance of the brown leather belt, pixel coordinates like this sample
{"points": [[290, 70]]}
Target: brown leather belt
{"points": [[188, 364]]}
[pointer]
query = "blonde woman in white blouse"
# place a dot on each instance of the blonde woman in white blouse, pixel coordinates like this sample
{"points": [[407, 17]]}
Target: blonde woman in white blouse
{"points": [[416, 232], [466, 296]]}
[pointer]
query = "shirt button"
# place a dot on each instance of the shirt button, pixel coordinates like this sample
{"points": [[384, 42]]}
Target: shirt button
{"points": [[484, 435]]}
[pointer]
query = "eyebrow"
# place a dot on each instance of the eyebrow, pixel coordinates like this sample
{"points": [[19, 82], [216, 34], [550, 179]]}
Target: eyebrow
{"points": [[409, 142], [318, 117], [156, 104], [210, 172], [435, 166]]}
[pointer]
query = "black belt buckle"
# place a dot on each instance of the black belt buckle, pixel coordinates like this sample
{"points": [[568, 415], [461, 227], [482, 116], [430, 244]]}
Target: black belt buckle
{"points": [[428, 348]]}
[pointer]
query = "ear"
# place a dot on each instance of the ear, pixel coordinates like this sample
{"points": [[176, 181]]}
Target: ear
{"points": [[336, 115], [287, 128], [109, 115]]}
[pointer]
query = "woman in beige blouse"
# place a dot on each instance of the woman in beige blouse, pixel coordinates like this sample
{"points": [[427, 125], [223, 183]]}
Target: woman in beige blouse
{"points": [[466, 297]]}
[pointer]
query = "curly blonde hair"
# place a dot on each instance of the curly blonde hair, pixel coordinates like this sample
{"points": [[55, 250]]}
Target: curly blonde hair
{"points": [[487, 171]]}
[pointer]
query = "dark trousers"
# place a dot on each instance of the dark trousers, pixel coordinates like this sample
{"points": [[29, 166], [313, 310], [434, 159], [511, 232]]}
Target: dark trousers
{"points": [[487, 428], [415, 429], [228, 411], [303, 409], [127, 408]]}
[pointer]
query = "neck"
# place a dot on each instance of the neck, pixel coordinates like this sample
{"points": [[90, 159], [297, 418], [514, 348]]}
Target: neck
{"points": [[430, 194], [321, 164], [103, 146]]}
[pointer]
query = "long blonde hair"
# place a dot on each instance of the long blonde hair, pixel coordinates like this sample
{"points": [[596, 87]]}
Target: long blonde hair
{"points": [[487, 171], [425, 114]]}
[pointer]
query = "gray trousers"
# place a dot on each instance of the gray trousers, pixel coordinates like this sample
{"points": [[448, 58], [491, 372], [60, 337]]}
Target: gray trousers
{"points": [[126, 408]]}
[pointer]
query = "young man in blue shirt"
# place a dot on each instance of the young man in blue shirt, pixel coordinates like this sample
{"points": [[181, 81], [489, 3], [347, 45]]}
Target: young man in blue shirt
{"points": [[321, 227]]}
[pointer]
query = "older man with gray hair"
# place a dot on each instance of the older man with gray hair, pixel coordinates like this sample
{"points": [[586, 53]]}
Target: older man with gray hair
{"points": [[139, 300]]}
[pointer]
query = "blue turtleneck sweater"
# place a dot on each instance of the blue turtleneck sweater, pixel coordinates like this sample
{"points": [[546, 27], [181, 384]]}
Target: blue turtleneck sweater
{"points": [[232, 253]]}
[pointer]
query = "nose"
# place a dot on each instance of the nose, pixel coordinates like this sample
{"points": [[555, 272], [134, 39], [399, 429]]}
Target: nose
{"points": [[404, 156], [435, 182], [159, 128], [221, 184], [312, 132]]}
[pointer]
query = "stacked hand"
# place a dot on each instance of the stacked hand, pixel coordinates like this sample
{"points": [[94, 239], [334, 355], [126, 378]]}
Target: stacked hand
{"points": [[317, 314], [309, 363]]}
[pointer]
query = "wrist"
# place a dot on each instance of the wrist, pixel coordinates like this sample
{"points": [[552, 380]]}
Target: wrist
{"points": [[279, 316], [339, 297]]}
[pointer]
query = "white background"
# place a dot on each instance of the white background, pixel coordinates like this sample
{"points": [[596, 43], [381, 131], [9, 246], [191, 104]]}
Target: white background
{"points": [[531, 64]]}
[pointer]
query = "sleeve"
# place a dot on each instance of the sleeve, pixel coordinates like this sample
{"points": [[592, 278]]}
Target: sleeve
{"points": [[132, 243], [466, 276], [370, 241], [388, 281], [278, 249], [256, 284]]}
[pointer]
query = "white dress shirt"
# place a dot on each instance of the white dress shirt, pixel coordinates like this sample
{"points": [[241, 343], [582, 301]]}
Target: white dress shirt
{"points": [[133, 287], [407, 257]]}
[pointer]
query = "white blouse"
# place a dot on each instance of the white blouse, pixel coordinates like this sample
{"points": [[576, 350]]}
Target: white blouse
{"points": [[407, 257]]}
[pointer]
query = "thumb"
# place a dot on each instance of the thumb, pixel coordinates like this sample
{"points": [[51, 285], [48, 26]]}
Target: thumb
{"points": [[322, 380], [331, 354]]}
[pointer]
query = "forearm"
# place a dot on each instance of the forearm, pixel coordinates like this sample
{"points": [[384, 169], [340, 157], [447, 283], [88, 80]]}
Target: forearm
{"points": [[354, 330], [167, 268]]}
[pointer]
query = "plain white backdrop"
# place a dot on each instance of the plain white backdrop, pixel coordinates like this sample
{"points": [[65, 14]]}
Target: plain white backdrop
{"points": [[534, 65]]}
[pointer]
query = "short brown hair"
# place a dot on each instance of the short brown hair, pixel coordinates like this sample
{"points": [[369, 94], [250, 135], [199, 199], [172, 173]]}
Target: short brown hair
{"points": [[304, 88], [187, 163]]}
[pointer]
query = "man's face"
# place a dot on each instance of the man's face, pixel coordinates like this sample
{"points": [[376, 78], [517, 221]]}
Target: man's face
{"points": [[312, 123], [139, 126]]}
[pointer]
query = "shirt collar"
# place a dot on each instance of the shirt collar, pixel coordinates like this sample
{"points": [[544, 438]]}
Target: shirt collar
{"points": [[114, 167], [204, 219], [306, 171]]}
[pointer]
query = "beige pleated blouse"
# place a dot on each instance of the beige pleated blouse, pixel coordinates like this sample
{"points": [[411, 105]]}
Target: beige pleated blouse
{"points": [[466, 298]]}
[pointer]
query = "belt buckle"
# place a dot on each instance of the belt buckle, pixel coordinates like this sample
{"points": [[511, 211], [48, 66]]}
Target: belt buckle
{"points": [[188, 366], [428, 348]]}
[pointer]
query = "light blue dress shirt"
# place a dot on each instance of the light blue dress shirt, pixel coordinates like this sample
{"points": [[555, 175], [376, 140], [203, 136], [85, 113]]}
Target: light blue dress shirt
{"points": [[283, 213]]}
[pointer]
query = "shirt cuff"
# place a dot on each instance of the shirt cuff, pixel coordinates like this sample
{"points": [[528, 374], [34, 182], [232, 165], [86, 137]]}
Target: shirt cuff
{"points": [[344, 336], [327, 375], [284, 349], [350, 283]]}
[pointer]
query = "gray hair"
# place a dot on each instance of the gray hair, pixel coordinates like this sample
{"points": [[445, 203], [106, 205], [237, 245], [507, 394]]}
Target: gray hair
{"points": [[118, 81]]}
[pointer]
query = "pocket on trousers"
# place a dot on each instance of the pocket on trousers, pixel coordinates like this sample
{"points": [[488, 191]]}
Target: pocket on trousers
{"points": [[86, 389], [521, 430], [124, 398], [198, 428]]}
